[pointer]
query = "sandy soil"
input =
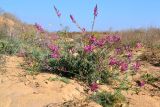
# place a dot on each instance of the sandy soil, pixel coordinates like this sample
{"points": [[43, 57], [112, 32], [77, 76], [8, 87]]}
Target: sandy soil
{"points": [[18, 89]]}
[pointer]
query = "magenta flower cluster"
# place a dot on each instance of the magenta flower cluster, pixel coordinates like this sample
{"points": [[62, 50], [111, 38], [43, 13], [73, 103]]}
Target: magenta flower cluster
{"points": [[139, 45], [136, 66], [127, 48], [129, 55], [113, 61], [94, 42], [88, 48], [55, 51], [92, 39], [121, 64], [113, 39], [140, 83], [94, 87], [118, 50]]}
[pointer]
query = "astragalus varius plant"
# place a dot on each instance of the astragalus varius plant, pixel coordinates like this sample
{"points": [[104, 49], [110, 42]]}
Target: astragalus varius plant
{"points": [[94, 60]]}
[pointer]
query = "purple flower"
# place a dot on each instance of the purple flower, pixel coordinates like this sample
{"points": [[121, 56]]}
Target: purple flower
{"points": [[39, 28], [55, 55], [95, 11], [53, 48], [112, 61], [127, 48], [116, 38], [88, 48], [119, 62], [136, 66], [94, 87], [129, 55], [55, 51], [57, 12], [113, 39], [140, 83], [139, 45], [92, 39], [123, 66], [72, 18], [101, 42], [118, 50]]}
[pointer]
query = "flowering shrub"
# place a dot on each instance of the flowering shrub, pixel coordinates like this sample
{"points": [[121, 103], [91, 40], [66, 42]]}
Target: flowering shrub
{"points": [[92, 59]]}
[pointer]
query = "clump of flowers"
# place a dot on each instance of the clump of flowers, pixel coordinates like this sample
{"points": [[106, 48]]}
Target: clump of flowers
{"points": [[55, 51], [139, 45], [39, 28], [94, 87], [129, 55], [123, 66], [101, 42], [113, 61], [92, 39], [90, 58], [88, 48], [140, 83], [127, 48], [118, 50], [113, 39], [136, 66]]}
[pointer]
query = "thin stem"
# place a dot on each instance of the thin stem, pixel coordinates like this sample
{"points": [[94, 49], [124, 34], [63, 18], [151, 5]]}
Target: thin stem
{"points": [[93, 23]]}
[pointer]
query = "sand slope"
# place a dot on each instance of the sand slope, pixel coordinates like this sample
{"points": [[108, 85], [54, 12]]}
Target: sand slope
{"points": [[17, 89]]}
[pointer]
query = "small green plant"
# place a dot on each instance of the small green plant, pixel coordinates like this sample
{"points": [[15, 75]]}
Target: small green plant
{"points": [[63, 79], [53, 79], [9, 46], [150, 78], [35, 59], [2, 63], [107, 99]]}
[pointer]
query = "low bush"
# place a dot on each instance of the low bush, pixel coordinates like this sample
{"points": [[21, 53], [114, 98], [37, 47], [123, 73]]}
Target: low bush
{"points": [[107, 99], [9, 46]]}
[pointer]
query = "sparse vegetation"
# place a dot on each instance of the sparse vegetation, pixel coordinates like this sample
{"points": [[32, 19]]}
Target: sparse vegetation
{"points": [[150, 79], [107, 99]]}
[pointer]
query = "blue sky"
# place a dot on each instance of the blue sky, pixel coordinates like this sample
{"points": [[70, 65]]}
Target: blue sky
{"points": [[114, 14]]}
